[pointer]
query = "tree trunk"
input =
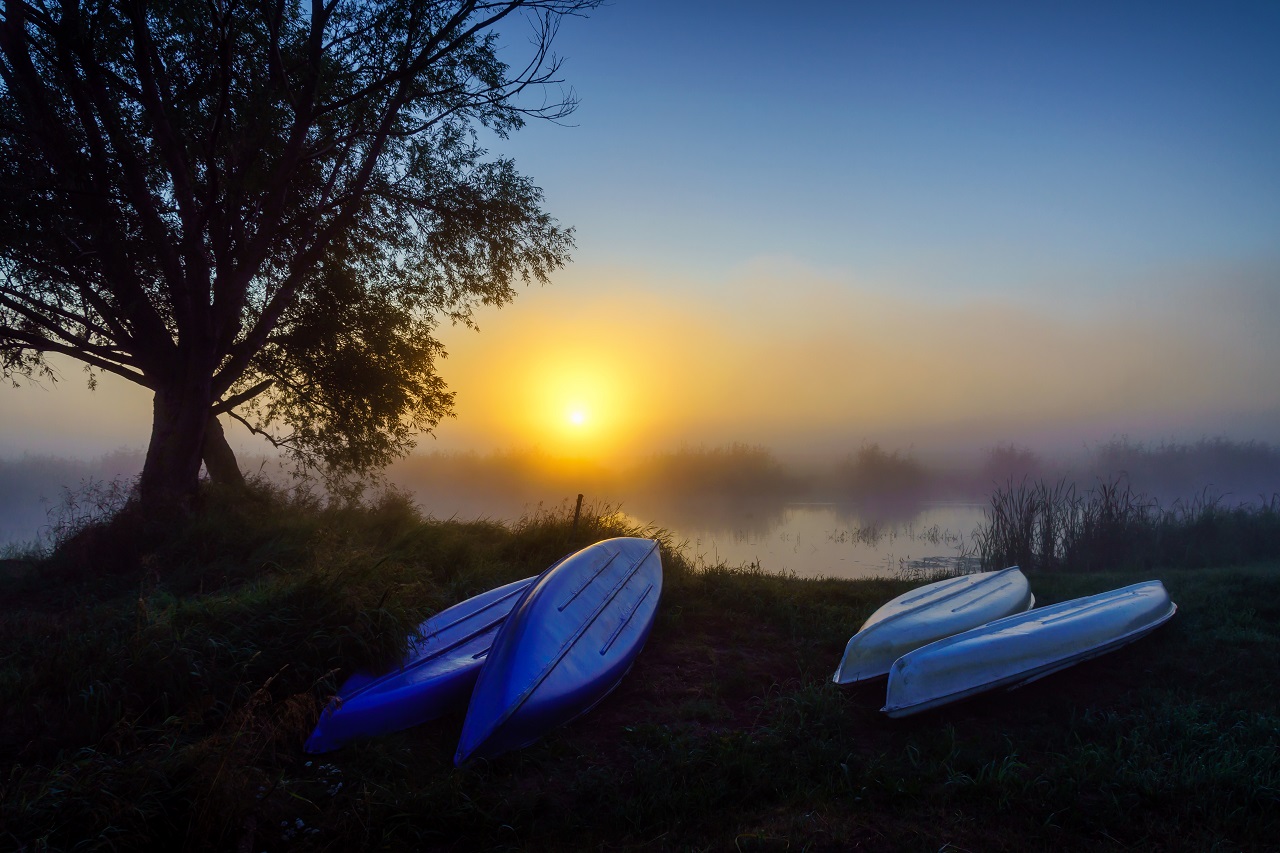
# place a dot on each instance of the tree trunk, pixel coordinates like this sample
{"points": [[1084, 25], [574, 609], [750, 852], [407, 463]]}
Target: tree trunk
{"points": [[219, 459], [171, 474]]}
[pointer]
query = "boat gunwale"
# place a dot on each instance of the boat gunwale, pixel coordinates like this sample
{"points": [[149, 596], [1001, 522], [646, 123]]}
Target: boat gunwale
{"points": [[517, 588]]}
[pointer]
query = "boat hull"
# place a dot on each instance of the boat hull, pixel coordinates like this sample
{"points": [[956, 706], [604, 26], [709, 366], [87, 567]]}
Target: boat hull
{"points": [[435, 678], [928, 613], [565, 646], [1019, 649]]}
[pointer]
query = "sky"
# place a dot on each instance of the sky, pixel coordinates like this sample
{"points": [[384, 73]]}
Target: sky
{"points": [[930, 225]]}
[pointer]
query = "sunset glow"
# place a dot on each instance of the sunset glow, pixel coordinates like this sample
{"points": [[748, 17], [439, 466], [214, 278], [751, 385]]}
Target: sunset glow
{"points": [[951, 237], [571, 400]]}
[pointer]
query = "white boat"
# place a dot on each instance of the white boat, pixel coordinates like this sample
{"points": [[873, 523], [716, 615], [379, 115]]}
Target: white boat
{"points": [[931, 612], [1019, 649]]}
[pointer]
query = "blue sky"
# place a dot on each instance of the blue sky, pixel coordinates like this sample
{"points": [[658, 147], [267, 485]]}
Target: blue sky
{"points": [[1008, 143], [1084, 199], [812, 225]]}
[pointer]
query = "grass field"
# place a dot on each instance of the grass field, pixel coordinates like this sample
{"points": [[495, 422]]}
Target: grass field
{"points": [[157, 690]]}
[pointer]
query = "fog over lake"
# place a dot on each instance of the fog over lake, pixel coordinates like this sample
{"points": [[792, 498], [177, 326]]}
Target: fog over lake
{"points": [[873, 512], [832, 540]]}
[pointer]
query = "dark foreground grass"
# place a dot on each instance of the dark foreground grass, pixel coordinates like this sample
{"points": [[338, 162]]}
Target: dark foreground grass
{"points": [[164, 705]]}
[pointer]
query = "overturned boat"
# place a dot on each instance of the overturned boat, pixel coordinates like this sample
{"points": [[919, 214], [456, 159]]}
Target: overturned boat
{"points": [[1019, 649], [435, 677], [565, 646], [928, 613]]}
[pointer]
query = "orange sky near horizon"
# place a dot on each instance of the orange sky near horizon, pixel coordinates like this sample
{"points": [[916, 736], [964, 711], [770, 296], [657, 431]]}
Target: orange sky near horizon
{"points": [[932, 226], [781, 355], [612, 364]]}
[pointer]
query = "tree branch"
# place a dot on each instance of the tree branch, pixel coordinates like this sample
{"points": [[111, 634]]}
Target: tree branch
{"points": [[275, 442], [231, 402], [186, 289], [26, 340], [18, 299]]}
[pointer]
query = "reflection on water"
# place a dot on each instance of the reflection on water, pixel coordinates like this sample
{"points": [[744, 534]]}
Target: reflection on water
{"points": [[827, 540], [806, 539]]}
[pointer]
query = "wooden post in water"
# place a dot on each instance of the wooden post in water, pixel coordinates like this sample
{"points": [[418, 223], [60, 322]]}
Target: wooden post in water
{"points": [[577, 513]]}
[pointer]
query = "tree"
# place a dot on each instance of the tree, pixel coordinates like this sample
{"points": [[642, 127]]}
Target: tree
{"points": [[263, 208]]}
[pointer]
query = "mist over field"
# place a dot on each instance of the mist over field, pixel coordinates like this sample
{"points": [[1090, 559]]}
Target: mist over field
{"points": [[709, 486]]}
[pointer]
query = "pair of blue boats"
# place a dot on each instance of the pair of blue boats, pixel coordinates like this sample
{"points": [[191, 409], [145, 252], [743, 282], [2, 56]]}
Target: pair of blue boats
{"points": [[522, 658]]}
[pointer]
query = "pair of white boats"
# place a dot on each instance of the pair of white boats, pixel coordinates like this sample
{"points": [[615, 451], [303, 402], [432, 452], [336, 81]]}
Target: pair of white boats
{"points": [[949, 640]]}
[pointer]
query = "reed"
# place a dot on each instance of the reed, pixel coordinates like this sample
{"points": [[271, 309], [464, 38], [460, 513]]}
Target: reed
{"points": [[1056, 527], [163, 705]]}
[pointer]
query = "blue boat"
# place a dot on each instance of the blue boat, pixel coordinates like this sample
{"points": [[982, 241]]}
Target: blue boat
{"points": [[567, 643], [434, 679]]}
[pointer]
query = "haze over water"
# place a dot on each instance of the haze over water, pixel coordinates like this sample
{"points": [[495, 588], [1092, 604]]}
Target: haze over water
{"points": [[932, 226], [833, 540]]}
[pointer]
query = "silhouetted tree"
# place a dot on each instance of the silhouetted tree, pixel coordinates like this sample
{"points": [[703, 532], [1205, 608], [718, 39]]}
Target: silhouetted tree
{"points": [[875, 474], [264, 208]]}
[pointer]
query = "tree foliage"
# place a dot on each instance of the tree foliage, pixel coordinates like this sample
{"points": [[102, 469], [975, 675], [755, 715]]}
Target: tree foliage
{"points": [[264, 208]]}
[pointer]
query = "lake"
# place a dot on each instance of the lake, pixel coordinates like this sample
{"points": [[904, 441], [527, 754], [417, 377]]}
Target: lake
{"points": [[805, 539], [825, 539]]}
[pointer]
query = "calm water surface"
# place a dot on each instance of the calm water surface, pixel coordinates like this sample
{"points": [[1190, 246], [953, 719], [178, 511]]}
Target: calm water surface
{"points": [[827, 540], [805, 539]]}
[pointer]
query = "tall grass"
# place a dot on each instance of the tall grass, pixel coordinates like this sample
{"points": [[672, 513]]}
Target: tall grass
{"points": [[156, 688], [163, 706], [1057, 527]]}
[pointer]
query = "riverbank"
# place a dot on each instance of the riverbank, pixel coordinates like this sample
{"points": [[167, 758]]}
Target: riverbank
{"points": [[158, 691]]}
